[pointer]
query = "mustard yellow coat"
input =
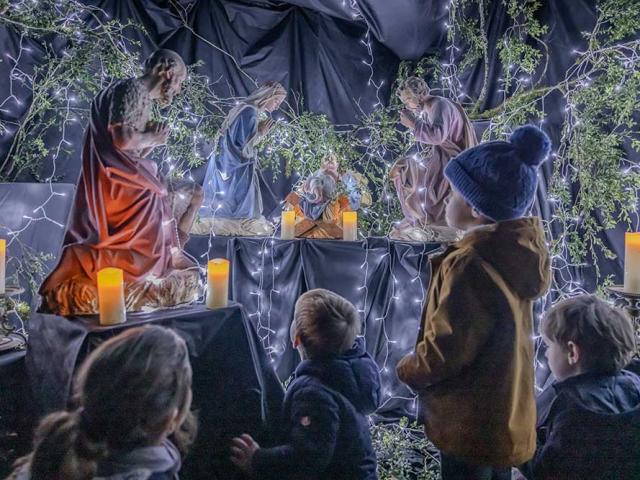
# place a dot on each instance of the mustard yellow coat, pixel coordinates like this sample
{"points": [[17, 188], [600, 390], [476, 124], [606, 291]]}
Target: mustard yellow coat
{"points": [[473, 362]]}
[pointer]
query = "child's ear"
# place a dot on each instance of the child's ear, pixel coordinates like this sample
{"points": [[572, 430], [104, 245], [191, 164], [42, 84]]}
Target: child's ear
{"points": [[296, 341], [573, 353], [475, 213]]}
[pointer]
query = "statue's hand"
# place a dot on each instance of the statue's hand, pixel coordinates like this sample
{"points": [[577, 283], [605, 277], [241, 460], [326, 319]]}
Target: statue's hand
{"points": [[407, 119], [265, 126], [160, 130]]}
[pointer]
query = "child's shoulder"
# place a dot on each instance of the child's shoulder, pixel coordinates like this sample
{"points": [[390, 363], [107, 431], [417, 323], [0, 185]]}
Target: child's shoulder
{"points": [[309, 389], [458, 260], [305, 382]]}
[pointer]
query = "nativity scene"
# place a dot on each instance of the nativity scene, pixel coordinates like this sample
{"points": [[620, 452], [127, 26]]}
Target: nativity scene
{"points": [[390, 241]]}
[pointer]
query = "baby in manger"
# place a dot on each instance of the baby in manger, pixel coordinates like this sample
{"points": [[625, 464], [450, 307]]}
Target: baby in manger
{"points": [[323, 197]]}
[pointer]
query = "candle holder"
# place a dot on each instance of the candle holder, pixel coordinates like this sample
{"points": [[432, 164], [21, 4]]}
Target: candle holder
{"points": [[631, 303], [10, 338]]}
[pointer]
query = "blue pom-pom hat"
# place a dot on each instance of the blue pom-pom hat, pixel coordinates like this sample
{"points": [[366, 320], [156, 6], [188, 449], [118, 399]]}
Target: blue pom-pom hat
{"points": [[500, 178]]}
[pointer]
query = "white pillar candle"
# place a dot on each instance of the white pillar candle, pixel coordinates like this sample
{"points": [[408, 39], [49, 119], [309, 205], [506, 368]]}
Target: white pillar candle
{"points": [[217, 283], [350, 226], [3, 256], [111, 296], [632, 262], [288, 225]]}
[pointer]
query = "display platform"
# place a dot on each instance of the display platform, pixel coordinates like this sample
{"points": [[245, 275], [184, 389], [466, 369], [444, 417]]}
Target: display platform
{"points": [[234, 387], [385, 279]]}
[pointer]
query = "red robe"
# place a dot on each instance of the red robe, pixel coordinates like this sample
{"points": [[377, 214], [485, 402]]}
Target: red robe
{"points": [[121, 215]]}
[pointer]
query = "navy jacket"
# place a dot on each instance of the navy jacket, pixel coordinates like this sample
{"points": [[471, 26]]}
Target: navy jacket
{"points": [[325, 428], [588, 428]]}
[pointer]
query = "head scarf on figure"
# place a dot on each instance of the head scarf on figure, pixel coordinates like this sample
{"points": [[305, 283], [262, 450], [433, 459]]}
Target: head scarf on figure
{"points": [[258, 99]]}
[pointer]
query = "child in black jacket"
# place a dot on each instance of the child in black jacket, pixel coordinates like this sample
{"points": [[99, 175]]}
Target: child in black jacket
{"points": [[326, 434], [589, 419]]}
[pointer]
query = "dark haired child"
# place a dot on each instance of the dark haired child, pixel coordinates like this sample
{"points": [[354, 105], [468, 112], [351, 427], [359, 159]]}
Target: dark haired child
{"points": [[589, 419]]}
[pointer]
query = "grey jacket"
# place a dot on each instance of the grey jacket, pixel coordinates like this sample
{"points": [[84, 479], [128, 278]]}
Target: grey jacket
{"points": [[161, 462]]}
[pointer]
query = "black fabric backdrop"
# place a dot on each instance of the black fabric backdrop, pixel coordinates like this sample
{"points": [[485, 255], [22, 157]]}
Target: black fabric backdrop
{"points": [[386, 280], [39, 212], [314, 47]]}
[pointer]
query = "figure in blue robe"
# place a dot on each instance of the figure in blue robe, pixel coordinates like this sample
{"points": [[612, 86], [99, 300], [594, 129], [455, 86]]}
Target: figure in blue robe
{"points": [[231, 185]]}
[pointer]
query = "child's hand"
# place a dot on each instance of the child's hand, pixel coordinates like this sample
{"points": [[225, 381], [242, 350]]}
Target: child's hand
{"points": [[242, 451], [264, 126]]}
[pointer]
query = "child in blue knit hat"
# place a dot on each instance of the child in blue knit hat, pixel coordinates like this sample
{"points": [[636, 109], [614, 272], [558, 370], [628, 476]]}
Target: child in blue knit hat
{"points": [[473, 362]]}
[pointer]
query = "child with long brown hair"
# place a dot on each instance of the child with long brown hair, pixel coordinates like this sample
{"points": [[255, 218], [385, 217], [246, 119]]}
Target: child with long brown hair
{"points": [[131, 395]]}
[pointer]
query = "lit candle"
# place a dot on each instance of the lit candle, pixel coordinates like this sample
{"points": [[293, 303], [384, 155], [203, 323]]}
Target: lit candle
{"points": [[111, 296], [632, 262], [3, 252], [218, 283], [350, 226], [288, 226]]}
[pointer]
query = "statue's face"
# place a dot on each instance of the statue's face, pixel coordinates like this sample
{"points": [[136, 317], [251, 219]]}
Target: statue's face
{"points": [[409, 100], [331, 164], [274, 103], [171, 85]]}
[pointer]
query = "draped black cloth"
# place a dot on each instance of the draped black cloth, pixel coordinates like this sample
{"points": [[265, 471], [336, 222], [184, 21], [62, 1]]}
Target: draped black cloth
{"points": [[234, 387], [386, 280]]}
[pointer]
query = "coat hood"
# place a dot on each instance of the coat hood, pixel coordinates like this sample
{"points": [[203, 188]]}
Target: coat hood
{"points": [[354, 375], [598, 393], [517, 250]]}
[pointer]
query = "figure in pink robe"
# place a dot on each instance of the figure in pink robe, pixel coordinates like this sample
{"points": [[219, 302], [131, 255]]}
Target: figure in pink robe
{"points": [[122, 213], [419, 181]]}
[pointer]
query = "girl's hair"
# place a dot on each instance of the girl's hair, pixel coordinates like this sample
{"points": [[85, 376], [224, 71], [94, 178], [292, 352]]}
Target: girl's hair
{"points": [[126, 394]]}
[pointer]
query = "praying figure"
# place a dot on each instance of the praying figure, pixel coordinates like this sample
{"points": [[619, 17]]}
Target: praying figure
{"points": [[122, 214], [232, 198], [420, 183]]}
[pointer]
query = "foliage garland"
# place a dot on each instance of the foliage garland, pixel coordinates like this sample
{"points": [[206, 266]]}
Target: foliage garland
{"points": [[403, 452], [594, 187]]}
